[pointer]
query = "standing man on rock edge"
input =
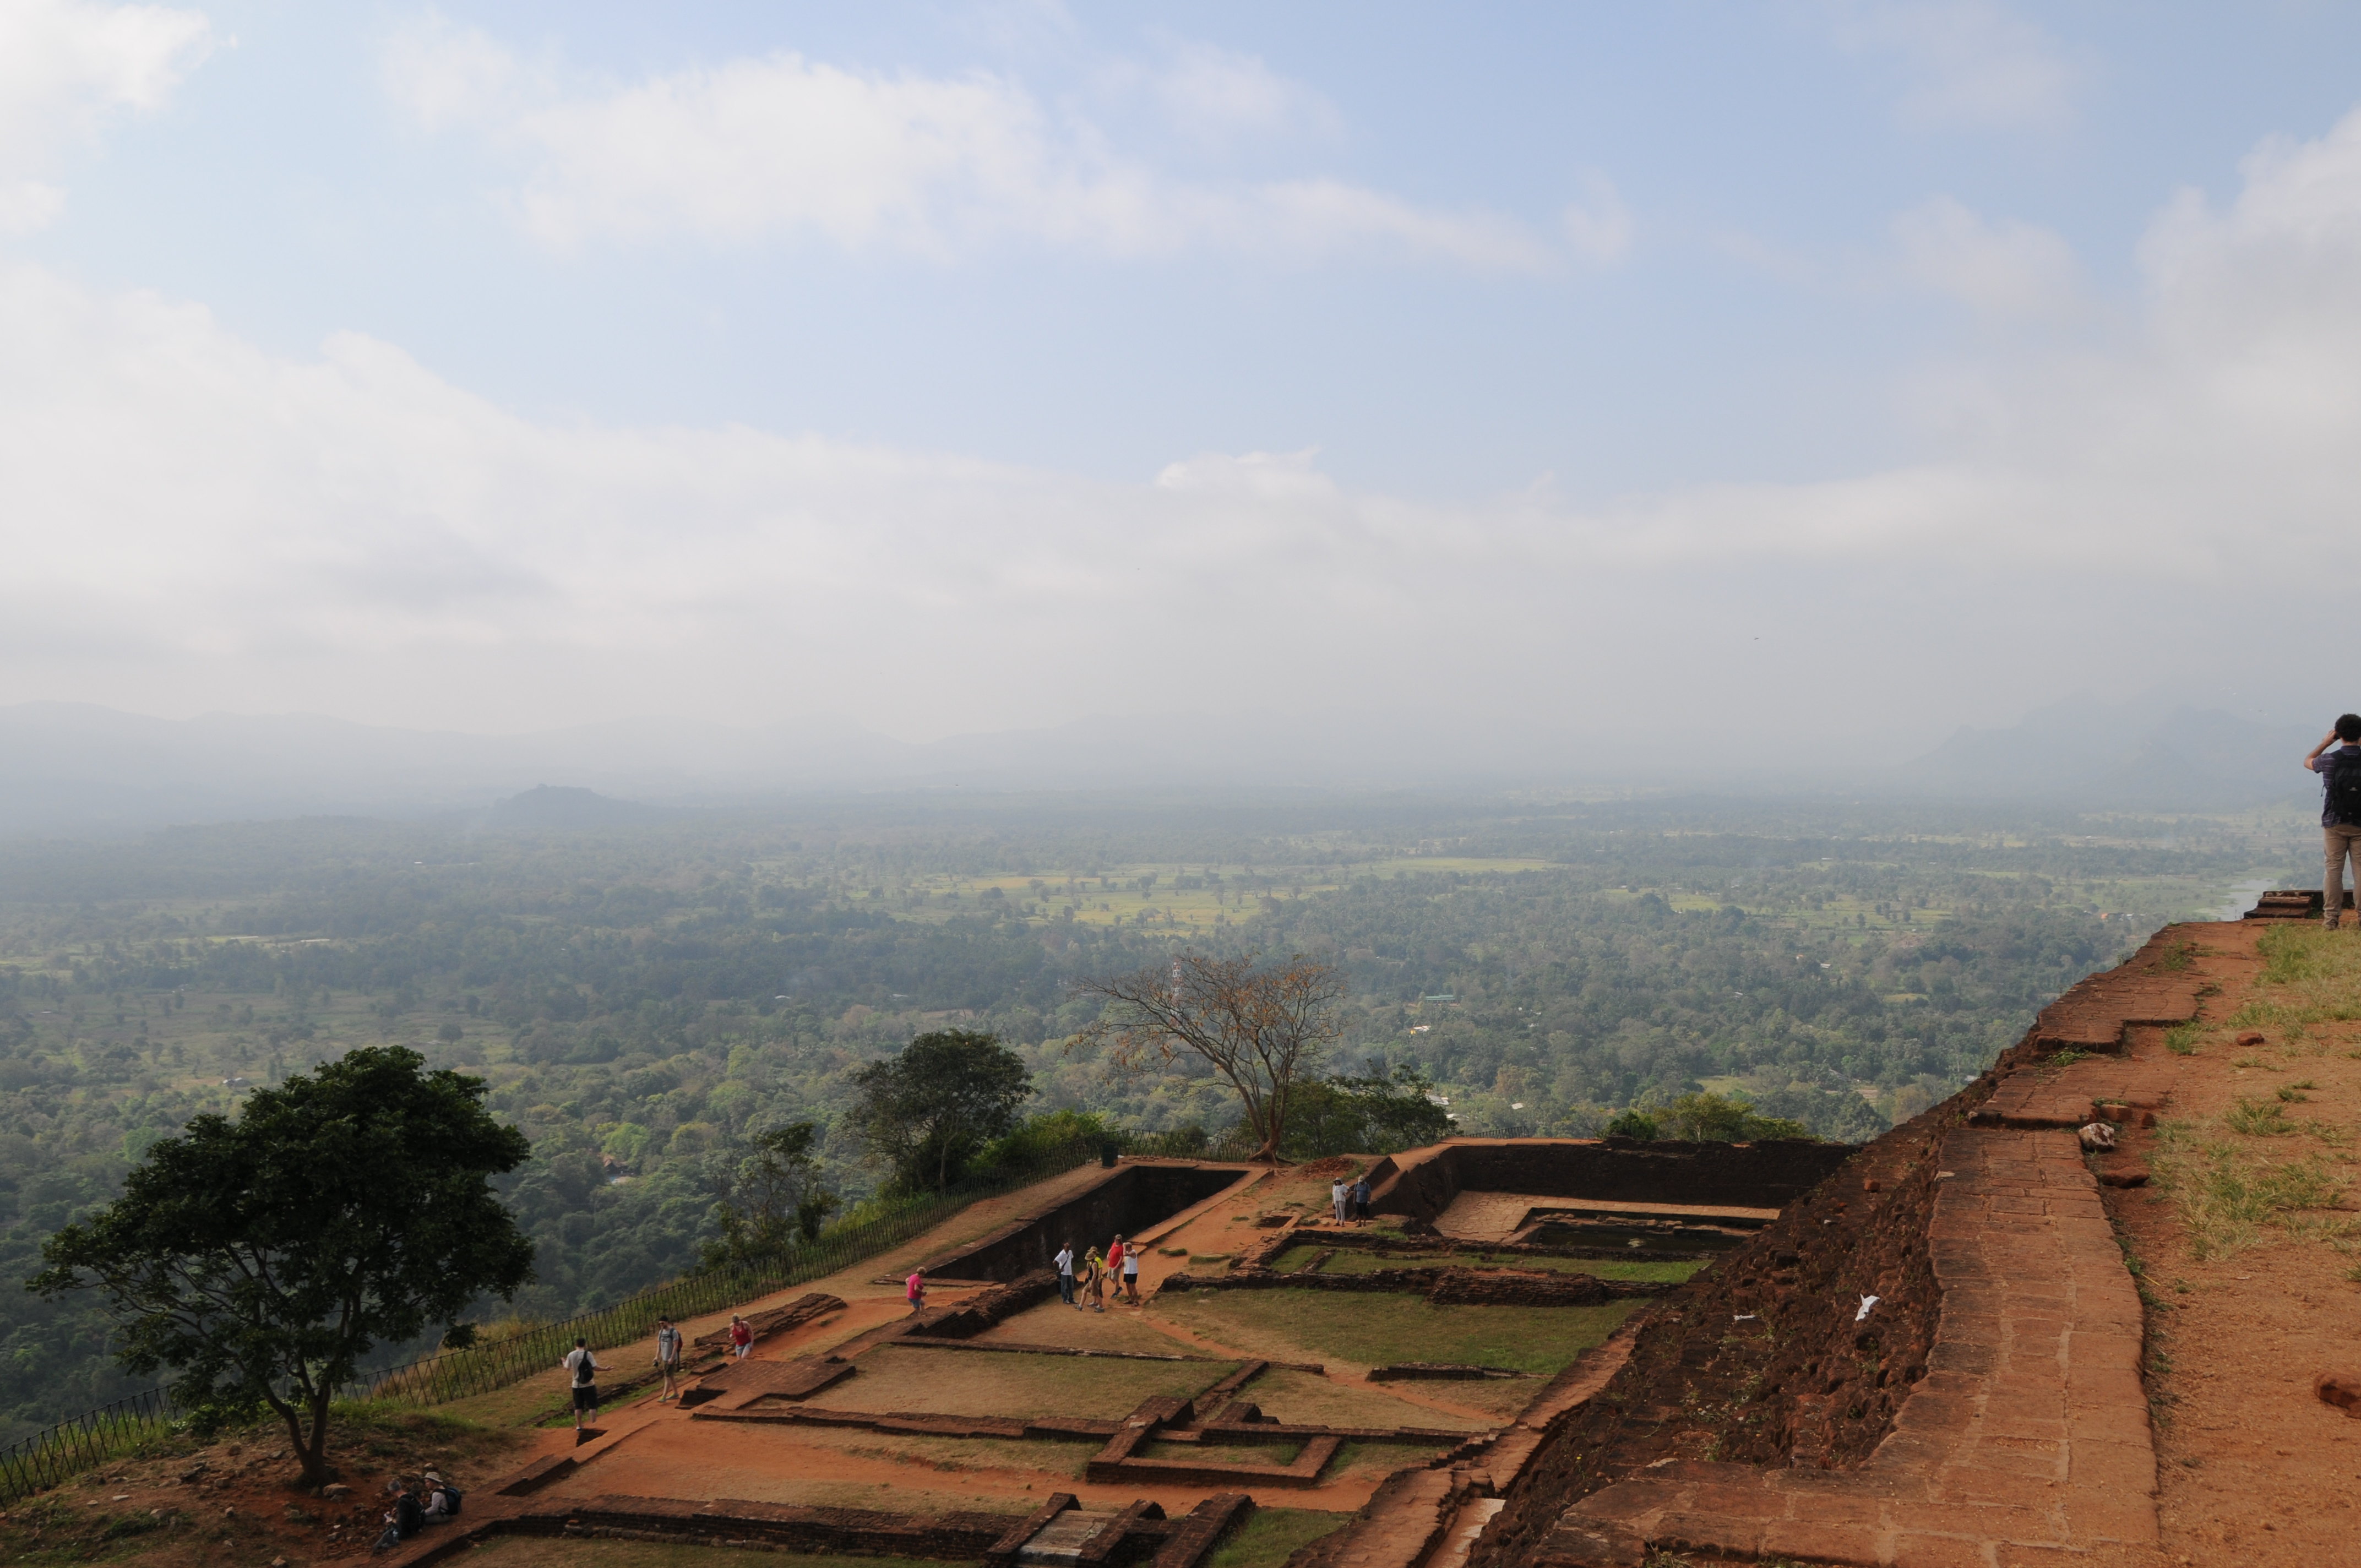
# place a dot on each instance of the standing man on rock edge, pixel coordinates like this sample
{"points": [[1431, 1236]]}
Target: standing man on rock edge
{"points": [[2337, 759]]}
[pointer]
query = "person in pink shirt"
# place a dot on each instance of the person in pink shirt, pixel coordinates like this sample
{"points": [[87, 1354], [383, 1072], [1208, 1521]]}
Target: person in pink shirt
{"points": [[914, 1289], [741, 1336]]}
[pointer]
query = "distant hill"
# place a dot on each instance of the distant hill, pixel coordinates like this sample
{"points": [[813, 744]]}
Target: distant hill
{"points": [[561, 805], [2140, 756]]}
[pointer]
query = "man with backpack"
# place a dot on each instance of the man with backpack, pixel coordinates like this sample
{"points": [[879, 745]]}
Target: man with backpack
{"points": [[584, 1368], [442, 1498], [2337, 759]]}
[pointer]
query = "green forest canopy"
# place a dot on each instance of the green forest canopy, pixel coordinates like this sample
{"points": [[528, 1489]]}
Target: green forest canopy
{"points": [[645, 1000]]}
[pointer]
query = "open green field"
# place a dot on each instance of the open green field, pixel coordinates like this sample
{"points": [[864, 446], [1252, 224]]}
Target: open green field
{"points": [[1295, 1325]]}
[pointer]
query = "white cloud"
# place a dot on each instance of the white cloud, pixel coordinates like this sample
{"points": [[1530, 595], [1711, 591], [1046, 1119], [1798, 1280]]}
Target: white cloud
{"points": [[1598, 228], [443, 75], [786, 145], [1967, 64], [2007, 269], [185, 515], [1216, 96], [67, 67]]}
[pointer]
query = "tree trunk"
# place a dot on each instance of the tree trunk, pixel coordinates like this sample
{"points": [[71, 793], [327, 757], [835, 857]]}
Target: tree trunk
{"points": [[315, 1452]]}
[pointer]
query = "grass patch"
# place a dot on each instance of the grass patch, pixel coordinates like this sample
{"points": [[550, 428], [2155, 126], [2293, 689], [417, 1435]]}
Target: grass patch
{"points": [[2182, 1039], [1298, 1325], [2259, 1119], [2226, 1196], [1270, 1536], [951, 1383], [953, 1456], [1271, 1454], [1378, 1458], [1303, 1398], [2309, 977]]}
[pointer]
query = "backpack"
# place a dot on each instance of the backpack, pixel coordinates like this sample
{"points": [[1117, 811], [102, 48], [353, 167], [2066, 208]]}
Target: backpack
{"points": [[408, 1517], [450, 1499], [2345, 787]]}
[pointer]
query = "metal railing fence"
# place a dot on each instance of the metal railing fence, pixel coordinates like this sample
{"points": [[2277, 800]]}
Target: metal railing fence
{"points": [[80, 1443]]}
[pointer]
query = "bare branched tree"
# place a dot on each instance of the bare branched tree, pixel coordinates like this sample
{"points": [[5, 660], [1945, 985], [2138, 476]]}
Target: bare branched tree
{"points": [[1261, 1027]]}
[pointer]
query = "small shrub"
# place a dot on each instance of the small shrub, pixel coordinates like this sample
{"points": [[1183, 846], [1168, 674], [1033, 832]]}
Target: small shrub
{"points": [[2181, 1039]]}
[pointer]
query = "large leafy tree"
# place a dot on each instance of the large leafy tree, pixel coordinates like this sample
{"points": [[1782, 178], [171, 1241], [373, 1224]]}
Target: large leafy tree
{"points": [[774, 1199], [942, 1098], [261, 1256], [1260, 1025], [1375, 1114]]}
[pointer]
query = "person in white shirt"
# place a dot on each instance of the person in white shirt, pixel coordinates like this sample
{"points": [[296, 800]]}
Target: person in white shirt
{"points": [[667, 1358], [1337, 1198], [1065, 1261], [584, 1368]]}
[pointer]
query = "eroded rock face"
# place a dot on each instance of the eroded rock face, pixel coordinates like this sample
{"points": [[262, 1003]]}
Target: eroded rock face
{"points": [[1764, 1359]]}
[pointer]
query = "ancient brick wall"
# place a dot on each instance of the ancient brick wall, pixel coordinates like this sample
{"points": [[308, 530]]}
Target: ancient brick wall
{"points": [[1127, 1200], [1420, 1184]]}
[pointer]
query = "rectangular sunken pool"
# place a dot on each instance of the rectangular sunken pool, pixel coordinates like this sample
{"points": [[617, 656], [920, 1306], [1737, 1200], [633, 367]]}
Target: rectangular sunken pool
{"points": [[1125, 1200]]}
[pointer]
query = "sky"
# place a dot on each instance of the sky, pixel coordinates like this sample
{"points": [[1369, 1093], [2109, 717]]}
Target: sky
{"points": [[1812, 377]]}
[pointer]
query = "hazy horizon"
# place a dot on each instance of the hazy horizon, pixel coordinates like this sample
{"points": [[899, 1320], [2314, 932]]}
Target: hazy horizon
{"points": [[1573, 391]]}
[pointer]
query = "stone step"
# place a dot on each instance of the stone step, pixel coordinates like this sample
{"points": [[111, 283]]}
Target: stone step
{"points": [[1063, 1538]]}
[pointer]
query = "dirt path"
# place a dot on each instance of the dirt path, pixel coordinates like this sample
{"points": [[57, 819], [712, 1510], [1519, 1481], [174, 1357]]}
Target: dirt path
{"points": [[2247, 1303]]}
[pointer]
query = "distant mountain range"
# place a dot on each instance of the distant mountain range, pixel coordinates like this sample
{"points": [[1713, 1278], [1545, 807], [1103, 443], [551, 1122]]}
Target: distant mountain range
{"points": [[2141, 756], [76, 768]]}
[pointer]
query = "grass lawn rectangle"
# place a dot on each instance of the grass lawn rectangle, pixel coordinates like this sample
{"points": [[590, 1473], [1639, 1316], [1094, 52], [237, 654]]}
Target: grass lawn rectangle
{"points": [[1304, 1398], [969, 1383], [1269, 1537], [530, 1551], [1272, 1455], [1379, 1330], [1353, 1262]]}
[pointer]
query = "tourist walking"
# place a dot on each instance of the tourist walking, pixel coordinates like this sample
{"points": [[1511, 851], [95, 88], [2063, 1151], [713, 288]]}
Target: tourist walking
{"points": [[1095, 1282], [1131, 1275], [913, 1290], [583, 1367], [1065, 1261], [741, 1336], [2337, 761], [667, 1358]]}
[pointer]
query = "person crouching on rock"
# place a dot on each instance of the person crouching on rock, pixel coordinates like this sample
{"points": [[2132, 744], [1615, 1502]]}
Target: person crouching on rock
{"points": [[404, 1519], [2337, 759]]}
